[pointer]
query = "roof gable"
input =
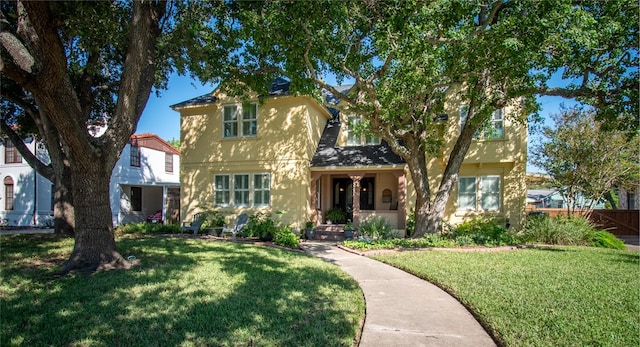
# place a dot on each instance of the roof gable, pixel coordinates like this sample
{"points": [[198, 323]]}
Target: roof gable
{"points": [[153, 141]]}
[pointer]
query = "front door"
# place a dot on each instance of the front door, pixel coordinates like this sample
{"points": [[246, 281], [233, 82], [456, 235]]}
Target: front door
{"points": [[343, 195]]}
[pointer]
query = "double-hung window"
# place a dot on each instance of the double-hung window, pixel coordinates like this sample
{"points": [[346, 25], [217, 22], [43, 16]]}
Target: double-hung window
{"points": [[242, 190], [234, 125], [168, 163], [230, 121], [11, 155], [221, 190], [493, 129], [359, 138], [479, 193], [250, 120], [134, 155]]}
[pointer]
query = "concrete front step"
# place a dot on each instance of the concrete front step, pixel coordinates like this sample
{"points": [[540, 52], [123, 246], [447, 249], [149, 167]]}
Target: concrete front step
{"points": [[329, 232]]}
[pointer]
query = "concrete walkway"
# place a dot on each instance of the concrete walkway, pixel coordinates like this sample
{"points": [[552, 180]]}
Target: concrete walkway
{"points": [[403, 310]]}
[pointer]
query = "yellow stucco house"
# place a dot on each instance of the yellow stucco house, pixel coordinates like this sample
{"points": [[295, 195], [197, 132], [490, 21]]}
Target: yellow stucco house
{"points": [[289, 153]]}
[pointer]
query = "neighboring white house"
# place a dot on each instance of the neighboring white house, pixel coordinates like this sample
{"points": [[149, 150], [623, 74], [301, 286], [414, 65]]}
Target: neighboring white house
{"points": [[551, 198], [145, 179]]}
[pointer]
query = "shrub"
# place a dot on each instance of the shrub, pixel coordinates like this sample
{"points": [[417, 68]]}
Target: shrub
{"points": [[336, 215], [482, 231], [561, 230], [286, 237], [260, 225], [606, 240], [147, 228], [213, 219], [411, 223], [375, 227]]}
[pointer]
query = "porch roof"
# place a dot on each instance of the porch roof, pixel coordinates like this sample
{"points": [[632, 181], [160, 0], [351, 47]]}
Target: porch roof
{"points": [[328, 155]]}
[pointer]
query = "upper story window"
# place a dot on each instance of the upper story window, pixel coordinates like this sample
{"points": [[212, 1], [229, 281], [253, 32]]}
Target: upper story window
{"points": [[235, 126], [494, 129], [11, 155], [134, 155], [168, 162], [357, 138]]}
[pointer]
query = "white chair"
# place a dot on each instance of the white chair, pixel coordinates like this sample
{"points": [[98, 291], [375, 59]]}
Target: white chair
{"points": [[240, 223]]}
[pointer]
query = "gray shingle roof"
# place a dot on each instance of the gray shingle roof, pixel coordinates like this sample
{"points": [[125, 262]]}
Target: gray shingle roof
{"points": [[279, 87], [328, 155]]}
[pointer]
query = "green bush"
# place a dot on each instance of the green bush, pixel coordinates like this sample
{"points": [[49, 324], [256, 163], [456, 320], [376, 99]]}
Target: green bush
{"points": [[260, 225], [147, 228], [336, 215], [561, 230], [411, 223], [286, 237], [605, 240], [482, 231], [213, 219], [375, 227]]}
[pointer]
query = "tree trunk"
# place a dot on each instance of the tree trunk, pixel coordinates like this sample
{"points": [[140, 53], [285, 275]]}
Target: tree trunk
{"points": [[63, 210], [418, 170], [95, 246]]}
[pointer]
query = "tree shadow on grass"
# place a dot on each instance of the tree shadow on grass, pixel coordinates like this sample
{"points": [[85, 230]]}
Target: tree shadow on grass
{"points": [[186, 292]]}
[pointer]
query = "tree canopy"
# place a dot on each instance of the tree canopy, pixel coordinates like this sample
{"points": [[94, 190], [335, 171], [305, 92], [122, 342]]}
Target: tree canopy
{"points": [[584, 161], [70, 64], [409, 59]]}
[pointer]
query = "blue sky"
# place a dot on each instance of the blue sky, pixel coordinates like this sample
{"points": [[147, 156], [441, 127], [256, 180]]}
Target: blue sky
{"points": [[158, 118]]}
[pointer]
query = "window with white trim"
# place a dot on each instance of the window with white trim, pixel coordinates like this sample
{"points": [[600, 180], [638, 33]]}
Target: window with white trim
{"points": [[494, 129], [480, 193], [250, 120], [234, 125], [221, 190], [355, 138], [242, 190], [261, 189]]}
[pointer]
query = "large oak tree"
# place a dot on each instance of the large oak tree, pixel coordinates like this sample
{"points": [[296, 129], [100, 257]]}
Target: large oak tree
{"points": [[407, 59], [72, 63]]}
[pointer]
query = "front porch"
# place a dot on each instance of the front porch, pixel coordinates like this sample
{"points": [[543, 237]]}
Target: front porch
{"points": [[359, 194]]}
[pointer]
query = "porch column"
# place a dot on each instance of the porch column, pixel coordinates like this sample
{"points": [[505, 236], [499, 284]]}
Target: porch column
{"points": [[315, 218], [356, 198], [402, 200], [165, 204]]}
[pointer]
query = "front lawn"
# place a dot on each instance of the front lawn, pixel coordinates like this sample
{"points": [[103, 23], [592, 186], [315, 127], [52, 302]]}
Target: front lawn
{"points": [[553, 296], [184, 292]]}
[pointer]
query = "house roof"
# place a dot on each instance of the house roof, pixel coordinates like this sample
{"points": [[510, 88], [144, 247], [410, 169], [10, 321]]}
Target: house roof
{"points": [[328, 155], [153, 141], [279, 87]]}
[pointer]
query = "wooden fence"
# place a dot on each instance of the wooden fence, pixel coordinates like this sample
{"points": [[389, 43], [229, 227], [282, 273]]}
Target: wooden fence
{"points": [[617, 222]]}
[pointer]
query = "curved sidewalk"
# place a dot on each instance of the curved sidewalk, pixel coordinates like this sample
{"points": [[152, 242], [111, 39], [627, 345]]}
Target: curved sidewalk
{"points": [[403, 310]]}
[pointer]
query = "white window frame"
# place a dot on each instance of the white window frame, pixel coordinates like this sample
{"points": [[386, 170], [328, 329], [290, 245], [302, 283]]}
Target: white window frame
{"points": [[249, 120], [481, 191], [362, 139], [220, 192], [495, 122], [241, 195], [261, 193], [230, 121], [239, 121]]}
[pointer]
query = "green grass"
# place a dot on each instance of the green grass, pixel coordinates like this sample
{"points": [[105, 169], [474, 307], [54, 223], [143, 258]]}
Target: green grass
{"points": [[184, 292], [555, 296]]}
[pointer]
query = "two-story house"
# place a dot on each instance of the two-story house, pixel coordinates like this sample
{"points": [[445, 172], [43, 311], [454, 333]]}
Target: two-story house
{"points": [[289, 153], [144, 180]]}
